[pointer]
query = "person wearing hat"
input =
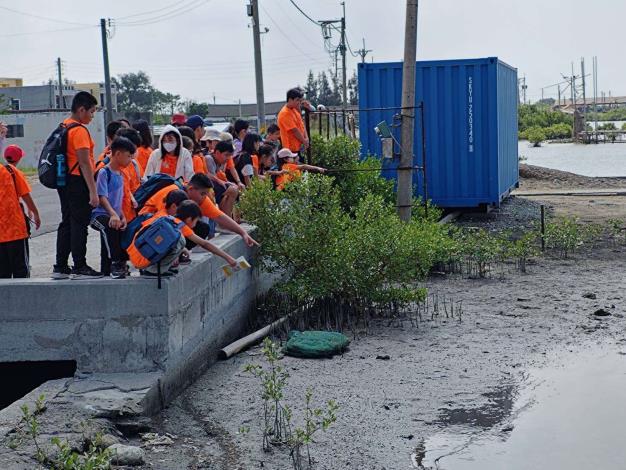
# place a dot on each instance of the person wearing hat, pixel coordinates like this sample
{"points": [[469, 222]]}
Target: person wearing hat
{"points": [[197, 125], [178, 119], [291, 170], [14, 223]]}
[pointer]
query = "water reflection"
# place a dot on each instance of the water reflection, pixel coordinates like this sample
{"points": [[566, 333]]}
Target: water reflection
{"points": [[570, 415]]}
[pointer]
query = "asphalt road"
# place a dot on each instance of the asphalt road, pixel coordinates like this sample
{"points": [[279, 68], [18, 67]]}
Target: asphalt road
{"points": [[47, 201]]}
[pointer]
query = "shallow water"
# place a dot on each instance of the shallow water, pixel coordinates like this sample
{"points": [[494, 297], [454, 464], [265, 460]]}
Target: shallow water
{"points": [[568, 415], [586, 160]]}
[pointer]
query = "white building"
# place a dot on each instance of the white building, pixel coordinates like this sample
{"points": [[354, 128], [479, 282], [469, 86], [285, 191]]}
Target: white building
{"points": [[31, 129]]}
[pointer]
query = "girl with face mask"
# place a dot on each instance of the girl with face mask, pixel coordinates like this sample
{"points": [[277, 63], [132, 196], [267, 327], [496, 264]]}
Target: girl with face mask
{"points": [[171, 157]]}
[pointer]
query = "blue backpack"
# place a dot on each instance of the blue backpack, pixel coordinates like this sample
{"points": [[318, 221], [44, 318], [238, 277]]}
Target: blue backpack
{"points": [[156, 240], [153, 185], [132, 228]]}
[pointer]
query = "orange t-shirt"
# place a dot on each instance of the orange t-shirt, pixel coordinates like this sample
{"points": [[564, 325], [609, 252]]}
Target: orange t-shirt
{"points": [[157, 204], [168, 165], [255, 162], [289, 119], [132, 181], [293, 174], [140, 261], [12, 223], [199, 163], [143, 154], [78, 138]]}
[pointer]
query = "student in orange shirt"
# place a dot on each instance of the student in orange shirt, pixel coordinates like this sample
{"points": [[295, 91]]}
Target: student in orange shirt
{"points": [[293, 134], [170, 157], [199, 163], [267, 163], [145, 149], [188, 212], [79, 195], [131, 174], [226, 192], [247, 162], [112, 128], [287, 163], [108, 218], [14, 226], [198, 189]]}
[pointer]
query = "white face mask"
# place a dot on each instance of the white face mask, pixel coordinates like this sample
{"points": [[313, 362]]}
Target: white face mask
{"points": [[169, 146]]}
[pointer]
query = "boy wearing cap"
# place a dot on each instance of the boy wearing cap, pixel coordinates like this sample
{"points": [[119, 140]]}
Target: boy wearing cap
{"points": [[14, 225], [291, 170]]}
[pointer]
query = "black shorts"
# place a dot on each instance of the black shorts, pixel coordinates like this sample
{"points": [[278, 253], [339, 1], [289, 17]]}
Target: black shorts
{"points": [[219, 191]]}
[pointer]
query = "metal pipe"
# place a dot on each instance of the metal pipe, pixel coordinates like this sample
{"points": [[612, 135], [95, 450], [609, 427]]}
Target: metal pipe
{"points": [[307, 123], [423, 124], [543, 228]]}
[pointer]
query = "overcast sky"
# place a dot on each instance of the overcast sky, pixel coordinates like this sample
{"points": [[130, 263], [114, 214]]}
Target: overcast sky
{"points": [[207, 50]]}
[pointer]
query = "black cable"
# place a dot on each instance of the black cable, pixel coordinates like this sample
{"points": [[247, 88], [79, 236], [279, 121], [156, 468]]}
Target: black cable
{"points": [[48, 31], [54, 20], [147, 13], [304, 14], [166, 16]]}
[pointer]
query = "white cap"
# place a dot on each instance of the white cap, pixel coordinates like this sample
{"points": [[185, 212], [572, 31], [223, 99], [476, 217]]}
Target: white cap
{"points": [[210, 134], [286, 153]]}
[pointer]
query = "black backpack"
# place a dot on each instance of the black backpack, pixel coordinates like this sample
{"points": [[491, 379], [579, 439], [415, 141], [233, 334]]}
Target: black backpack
{"points": [[153, 185], [54, 146]]}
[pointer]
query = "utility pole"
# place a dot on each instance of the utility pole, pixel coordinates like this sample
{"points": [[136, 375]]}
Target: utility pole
{"points": [[258, 65], [595, 96], [343, 58], [61, 97], [107, 75], [558, 87], [239, 107], [524, 87], [363, 52], [405, 171], [582, 76]]}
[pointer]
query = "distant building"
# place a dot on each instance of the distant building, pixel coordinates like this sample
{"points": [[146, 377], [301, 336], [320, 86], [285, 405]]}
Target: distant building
{"points": [[230, 112], [30, 129], [7, 82], [97, 90], [38, 97]]}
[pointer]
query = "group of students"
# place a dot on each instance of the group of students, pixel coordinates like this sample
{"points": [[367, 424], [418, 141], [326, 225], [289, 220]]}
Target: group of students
{"points": [[195, 173]]}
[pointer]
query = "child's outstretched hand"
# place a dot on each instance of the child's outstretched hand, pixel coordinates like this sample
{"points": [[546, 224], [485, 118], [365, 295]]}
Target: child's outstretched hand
{"points": [[231, 261]]}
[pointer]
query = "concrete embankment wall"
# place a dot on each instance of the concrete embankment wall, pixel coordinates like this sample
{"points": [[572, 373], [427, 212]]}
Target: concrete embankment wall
{"points": [[112, 326]]}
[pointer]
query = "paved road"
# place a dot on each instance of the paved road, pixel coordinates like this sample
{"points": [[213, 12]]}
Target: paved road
{"points": [[47, 202]]}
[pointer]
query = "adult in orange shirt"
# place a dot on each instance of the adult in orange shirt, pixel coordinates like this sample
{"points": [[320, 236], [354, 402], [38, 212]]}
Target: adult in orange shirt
{"points": [[291, 170], [198, 189], [292, 132], [79, 195], [14, 229], [145, 149]]}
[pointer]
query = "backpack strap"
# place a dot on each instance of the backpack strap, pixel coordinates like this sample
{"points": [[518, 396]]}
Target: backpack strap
{"points": [[68, 128], [137, 171]]}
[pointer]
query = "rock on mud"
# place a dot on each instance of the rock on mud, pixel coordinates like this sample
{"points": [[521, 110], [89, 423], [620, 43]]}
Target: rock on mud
{"points": [[126, 455]]}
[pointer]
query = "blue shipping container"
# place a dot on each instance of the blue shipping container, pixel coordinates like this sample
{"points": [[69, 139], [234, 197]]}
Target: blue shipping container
{"points": [[470, 120]]}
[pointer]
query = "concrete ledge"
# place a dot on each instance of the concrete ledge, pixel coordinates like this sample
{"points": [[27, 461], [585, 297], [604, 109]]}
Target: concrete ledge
{"points": [[130, 326]]}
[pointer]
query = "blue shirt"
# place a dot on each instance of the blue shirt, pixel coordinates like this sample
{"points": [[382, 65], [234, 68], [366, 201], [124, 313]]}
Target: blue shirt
{"points": [[111, 185]]}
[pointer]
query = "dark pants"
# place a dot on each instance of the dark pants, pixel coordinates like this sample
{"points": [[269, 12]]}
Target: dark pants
{"points": [[110, 244], [75, 217], [205, 230], [14, 259]]}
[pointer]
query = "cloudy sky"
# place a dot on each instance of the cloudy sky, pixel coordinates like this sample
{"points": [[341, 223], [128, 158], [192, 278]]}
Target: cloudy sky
{"points": [[203, 48]]}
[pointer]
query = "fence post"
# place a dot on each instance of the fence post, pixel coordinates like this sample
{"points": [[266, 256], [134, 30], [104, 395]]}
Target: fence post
{"points": [[424, 167], [328, 125], [543, 228], [307, 124]]}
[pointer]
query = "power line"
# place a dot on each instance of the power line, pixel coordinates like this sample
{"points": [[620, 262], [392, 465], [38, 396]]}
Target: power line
{"points": [[54, 20], [47, 31], [166, 16], [147, 13], [304, 14]]}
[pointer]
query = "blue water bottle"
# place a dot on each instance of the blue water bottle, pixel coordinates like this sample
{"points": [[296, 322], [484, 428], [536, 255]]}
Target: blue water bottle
{"points": [[60, 170]]}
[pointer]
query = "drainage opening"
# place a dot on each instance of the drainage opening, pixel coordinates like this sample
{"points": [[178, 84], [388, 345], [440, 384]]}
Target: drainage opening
{"points": [[19, 378]]}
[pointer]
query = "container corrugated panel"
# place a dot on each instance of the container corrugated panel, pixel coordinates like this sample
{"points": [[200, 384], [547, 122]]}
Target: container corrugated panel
{"points": [[470, 121]]}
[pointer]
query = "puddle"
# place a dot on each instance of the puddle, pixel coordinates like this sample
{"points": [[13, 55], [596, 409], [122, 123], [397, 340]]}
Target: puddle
{"points": [[568, 415]]}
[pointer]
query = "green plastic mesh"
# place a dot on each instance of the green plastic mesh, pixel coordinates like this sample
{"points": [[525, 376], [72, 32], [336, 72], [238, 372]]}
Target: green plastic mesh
{"points": [[314, 344]]}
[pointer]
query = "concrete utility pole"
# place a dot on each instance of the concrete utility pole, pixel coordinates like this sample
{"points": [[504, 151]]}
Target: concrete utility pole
{"points": [[582, 76], [258, 66], [107, 75], [363, 52], [343, 58], [61, 97], [405, 172]]}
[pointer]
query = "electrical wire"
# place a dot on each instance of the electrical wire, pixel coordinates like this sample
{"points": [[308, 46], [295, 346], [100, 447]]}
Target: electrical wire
{"points": [[147, 13], [78, 28], [54, 20], [304, 14], [286, 36], [166, 16]]}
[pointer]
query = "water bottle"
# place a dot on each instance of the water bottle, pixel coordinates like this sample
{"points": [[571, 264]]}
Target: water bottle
{"points": [[60, 170]]}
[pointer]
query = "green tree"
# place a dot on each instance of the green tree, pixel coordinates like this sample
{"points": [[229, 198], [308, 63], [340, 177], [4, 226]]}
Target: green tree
{"points": [[135, 93], [353, 89], [535, 136], [311, 87], [324, 91], [193, 107]]}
